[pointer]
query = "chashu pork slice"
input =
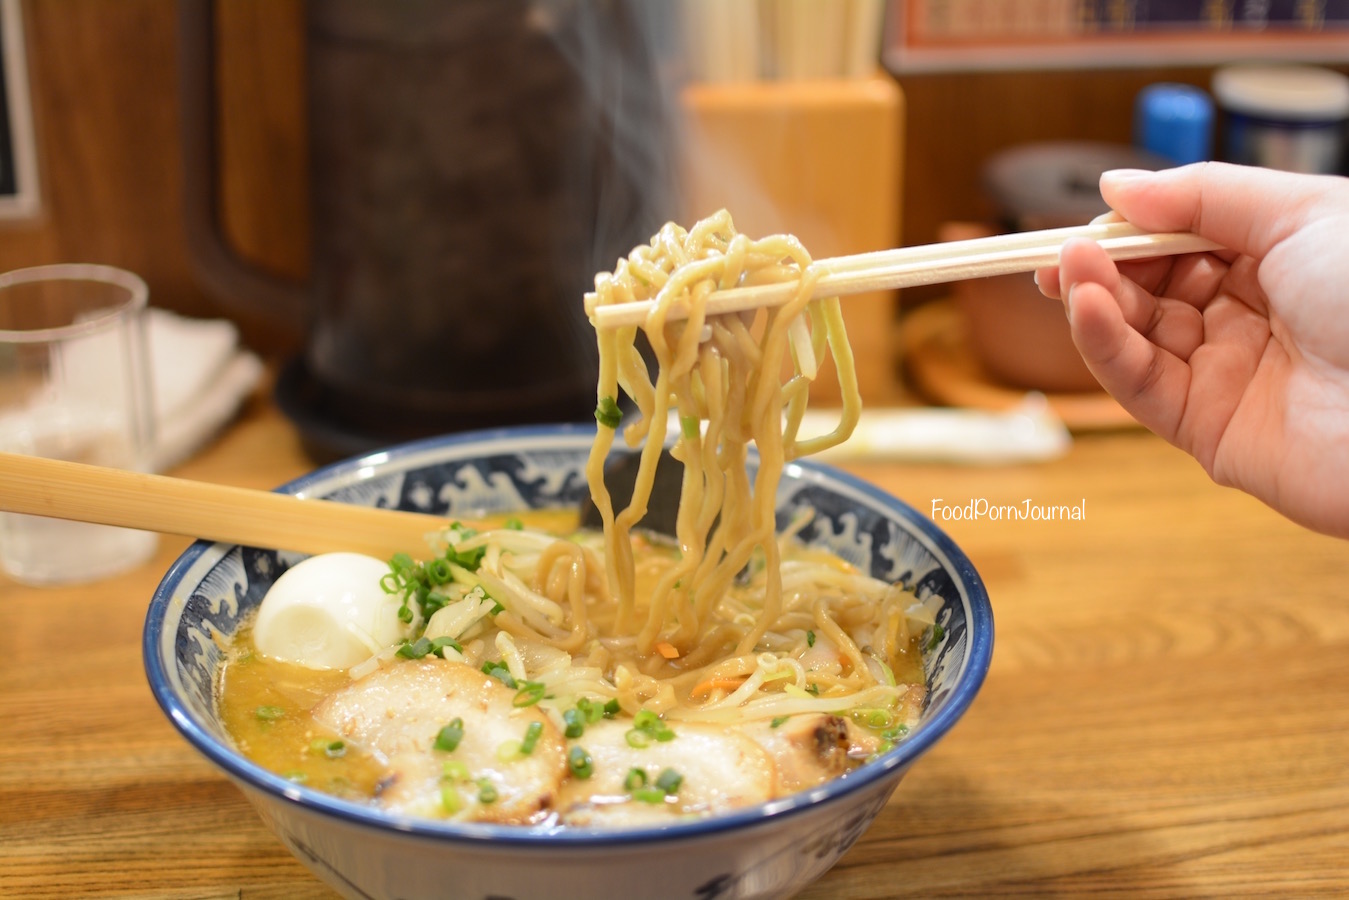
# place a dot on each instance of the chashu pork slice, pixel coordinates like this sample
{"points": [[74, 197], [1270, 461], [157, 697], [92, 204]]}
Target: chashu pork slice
{"points": [[397, 712], [808, 750], [720, 769]]}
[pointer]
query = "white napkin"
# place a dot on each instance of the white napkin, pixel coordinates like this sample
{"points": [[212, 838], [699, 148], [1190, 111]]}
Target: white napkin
{"points": [[200, 377]]}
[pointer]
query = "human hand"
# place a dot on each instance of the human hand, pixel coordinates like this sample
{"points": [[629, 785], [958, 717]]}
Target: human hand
{"points": [[1239, 357]]}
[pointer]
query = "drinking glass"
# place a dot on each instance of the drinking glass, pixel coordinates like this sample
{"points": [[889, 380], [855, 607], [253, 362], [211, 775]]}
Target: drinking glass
{"points": [[74, 385]]}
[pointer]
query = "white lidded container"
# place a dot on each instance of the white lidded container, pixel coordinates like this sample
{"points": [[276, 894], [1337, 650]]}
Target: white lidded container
{"points": [[1283, 116]]}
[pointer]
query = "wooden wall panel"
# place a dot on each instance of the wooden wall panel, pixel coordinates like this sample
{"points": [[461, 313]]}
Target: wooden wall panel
{"points": [[104, 82], [260, 78], [106, 119]]}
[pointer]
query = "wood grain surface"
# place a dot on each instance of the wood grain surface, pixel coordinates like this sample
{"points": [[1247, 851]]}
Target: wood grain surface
{"points": [[1167, 713]]}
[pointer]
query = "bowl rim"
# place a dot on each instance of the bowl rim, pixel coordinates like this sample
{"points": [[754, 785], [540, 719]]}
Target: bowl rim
{"points": [[892, 764]]}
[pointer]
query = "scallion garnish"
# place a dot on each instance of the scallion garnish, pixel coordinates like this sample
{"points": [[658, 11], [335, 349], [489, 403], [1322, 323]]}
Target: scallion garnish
{"points": [[329, 748], [450, 801], [607, 413], [269, 713], [438, 572], [487, 792], [646, 727], [777, 721], [533, 731], [937, 634], [813, 688], [575, 721], [423, 647], [894, 734], [513, 524], [500, 673], [612, 708], [667, 785], [648, 795], [690, 426], [669, 781], [530, 692], [810, 639], [580, 762], [449, 737]]}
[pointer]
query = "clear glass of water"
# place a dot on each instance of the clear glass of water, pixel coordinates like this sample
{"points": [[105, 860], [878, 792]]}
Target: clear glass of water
{"points": [[74, 385]]}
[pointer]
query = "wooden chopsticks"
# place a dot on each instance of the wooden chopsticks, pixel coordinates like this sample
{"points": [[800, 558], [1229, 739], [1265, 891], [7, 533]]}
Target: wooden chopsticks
{"points": [[926, 264], [85, 493]]}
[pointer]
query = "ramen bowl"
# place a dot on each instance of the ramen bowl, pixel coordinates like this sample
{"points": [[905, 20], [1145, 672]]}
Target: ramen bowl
{"points": [[769, 850]]}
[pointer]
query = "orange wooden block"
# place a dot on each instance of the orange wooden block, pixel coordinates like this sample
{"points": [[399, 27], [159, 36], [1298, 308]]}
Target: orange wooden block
{"points": [[820, 160]]}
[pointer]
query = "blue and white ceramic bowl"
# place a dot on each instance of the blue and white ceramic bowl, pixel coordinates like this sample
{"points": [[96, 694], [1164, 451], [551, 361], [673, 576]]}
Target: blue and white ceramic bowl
{"points": [[772, 850]]}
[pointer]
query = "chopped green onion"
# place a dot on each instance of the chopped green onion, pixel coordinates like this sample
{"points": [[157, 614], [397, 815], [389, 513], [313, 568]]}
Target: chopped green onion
{"points": [[580, 762], [533, 731], [872, 718], [454, 770], [607, 413], [269, 713], [575, 722], [649, 795], [669, 781], [690, 426], [450, 801], [530, 692], [637, 738], [650, 725], [500, 673], [508, 750], [667, 785], [449, 737], [423, 647], [439, 644], [810, 639], [296, 776], [937, 634], [894, 734], [487, 792], [513, 524], [438, 571], [778, 720], [330, 749], [813, 688], [612, 708]]}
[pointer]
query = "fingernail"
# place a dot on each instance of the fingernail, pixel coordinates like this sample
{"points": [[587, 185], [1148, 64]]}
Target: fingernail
{"points": [[1068, 302], [1120, 176]]}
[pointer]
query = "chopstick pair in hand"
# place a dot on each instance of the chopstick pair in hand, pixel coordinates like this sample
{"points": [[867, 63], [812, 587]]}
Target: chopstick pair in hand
{"points": [[927, 264]]}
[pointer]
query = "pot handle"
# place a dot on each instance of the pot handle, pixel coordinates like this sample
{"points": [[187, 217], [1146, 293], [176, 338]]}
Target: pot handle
{"points": [[235, 284]]}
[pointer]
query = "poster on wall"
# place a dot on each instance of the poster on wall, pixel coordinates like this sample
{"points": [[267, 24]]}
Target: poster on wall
{"points": [[970, 35]]}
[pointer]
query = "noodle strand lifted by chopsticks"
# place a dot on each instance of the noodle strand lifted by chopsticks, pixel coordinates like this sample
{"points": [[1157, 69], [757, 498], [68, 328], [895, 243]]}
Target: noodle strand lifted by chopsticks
{"points": [[727, 392]]}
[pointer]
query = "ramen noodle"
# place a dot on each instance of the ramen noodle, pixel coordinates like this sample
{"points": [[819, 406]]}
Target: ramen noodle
{"points": [[548, 674]]}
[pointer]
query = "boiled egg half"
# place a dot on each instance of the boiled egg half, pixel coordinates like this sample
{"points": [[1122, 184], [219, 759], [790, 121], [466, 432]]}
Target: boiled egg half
{"points": [[329, 612]]}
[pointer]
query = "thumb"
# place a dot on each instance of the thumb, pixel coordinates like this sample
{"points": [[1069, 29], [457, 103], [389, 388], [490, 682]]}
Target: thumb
{"points": [[1244, 208]]}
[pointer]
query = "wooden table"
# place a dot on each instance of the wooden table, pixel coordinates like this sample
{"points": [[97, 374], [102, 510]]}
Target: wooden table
{"points": [[1167, 713]]}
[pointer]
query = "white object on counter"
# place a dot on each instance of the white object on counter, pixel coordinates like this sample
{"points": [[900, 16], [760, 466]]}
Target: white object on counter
{"points": [[199, 375], [1029, 433]]}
